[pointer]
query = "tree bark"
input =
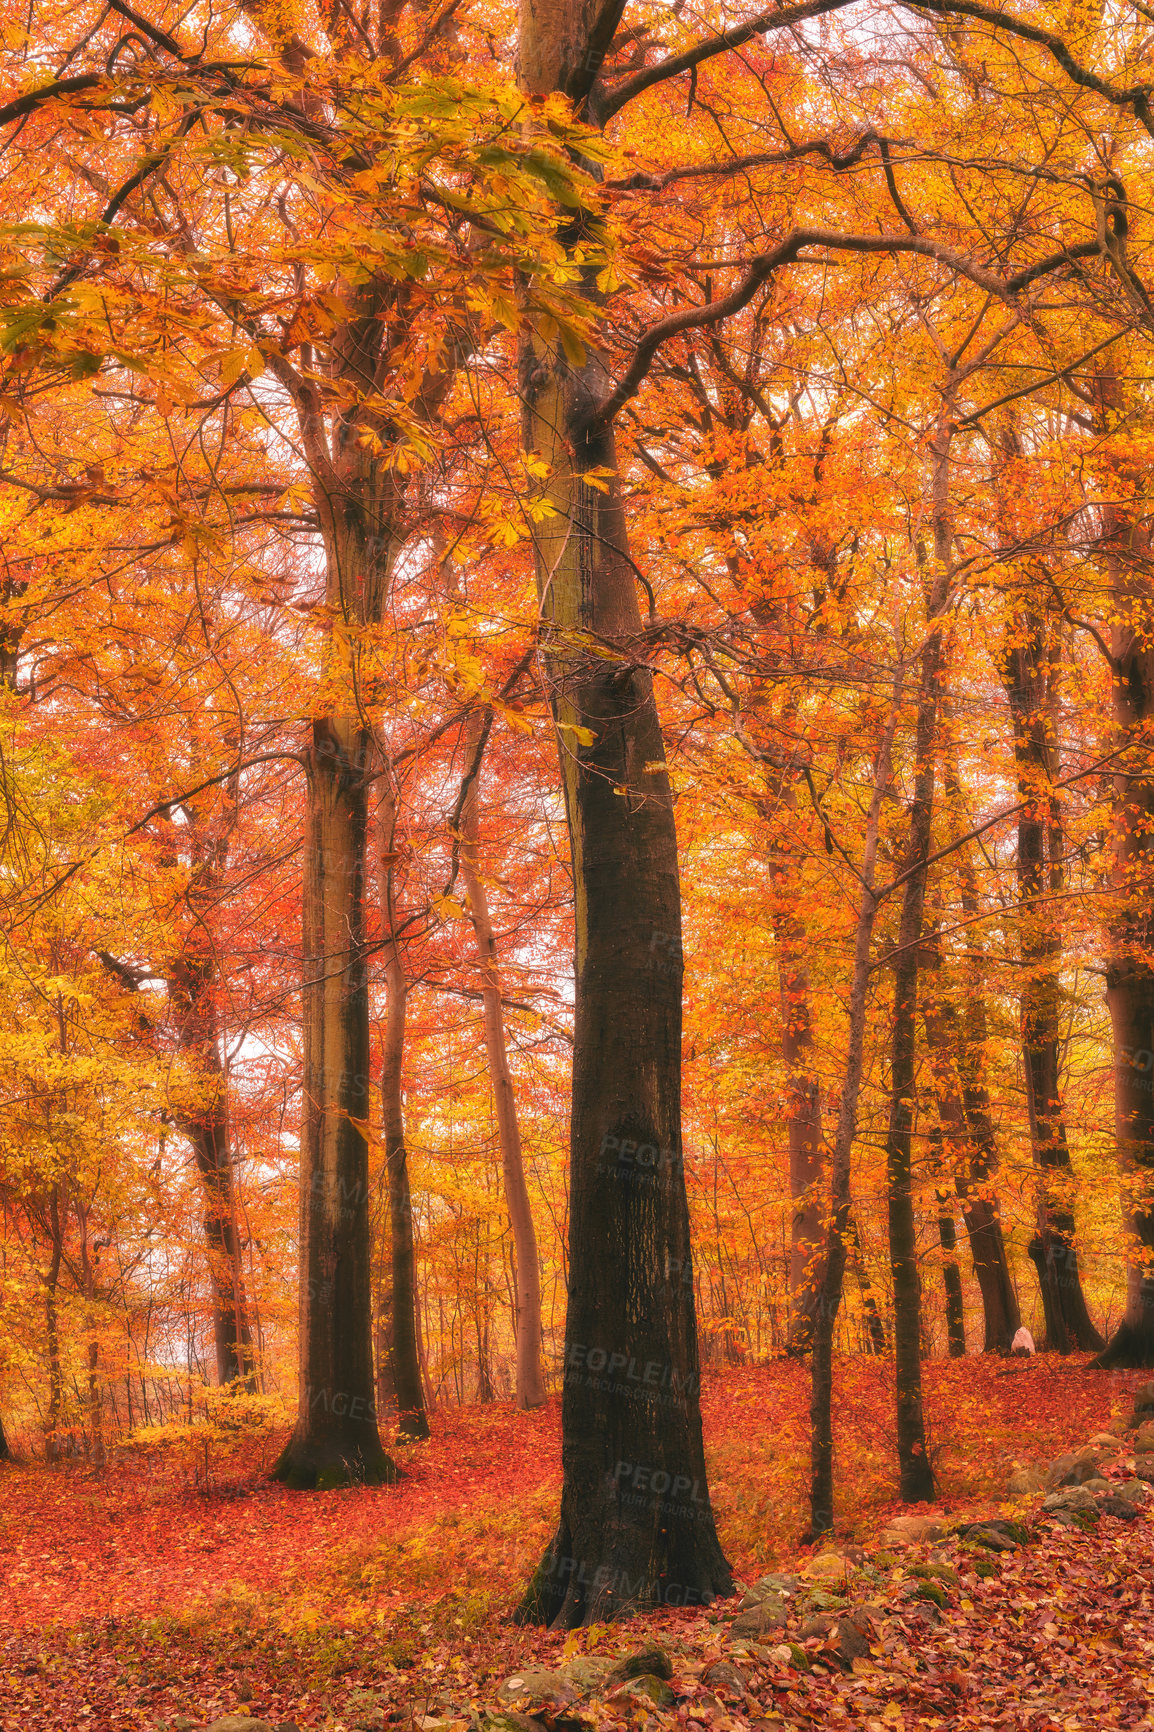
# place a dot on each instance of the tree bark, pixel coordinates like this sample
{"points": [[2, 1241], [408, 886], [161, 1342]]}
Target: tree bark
{"points": [[951, 1279], [405, 1364], [838, 1229], [915, 1473], [335, 1441], [974, 1160], [5, 1447], [808, 1155], [1130, 959], [1028, 666], [530, 1382], [636, 1526]]}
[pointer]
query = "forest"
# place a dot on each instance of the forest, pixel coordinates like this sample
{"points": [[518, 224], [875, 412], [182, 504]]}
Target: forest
{"points": [[577, 751]]}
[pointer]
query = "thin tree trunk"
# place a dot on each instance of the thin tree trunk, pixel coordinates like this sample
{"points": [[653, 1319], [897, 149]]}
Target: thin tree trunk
{"points": [[1130, 961], [808, 1155], [837, 1233], [412, 1419], [530, 1384], [52, 1328], [971, 1160], [636, 1527], [916, 1477], [1027, 666], [5, 1447]]}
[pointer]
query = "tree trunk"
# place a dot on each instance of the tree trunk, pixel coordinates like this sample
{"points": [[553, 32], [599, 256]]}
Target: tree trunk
{"points": [[335, 1441], [915, 1473], [838, 1229], [5, 1448], [530, 1385], [951, 1279], [1027, 666], [808, 1155], [974, 1159], [636, 1526], [52, 1329], [405, 1364], [1130, 961]]}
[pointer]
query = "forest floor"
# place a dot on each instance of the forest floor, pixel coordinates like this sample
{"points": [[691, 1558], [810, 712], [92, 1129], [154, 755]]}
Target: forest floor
{"points": [[133, 1598]]}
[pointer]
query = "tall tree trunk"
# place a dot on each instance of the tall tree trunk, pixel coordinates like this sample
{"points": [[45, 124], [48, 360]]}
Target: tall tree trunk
{"points": [[405, 1364], [915, 1473], [808, 1155], [52, 1328], [1028, 665], [636, 1526], [5, 1447], [1130, 960], [530, 1384], [973, 1159], [951, 1278], [335, 1441], [839, 1224]]}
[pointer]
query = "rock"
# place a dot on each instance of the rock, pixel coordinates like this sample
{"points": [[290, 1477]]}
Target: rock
{"points": [[846, 1639], [1134, 1490], [1104, 1443], [536, 1687], [820, 1625], [1072, 1470], [934, 1592], [586, 1674], [1075, 1498], [645, 1688], [1024, 1481], [935, 1571], [238, 1723], [827, 1568], [1023, 1343], [911, 1530], [1120, 1507], [761, 1618], [1144, 1442], [722, 1676], [773, 1584], [993, 1535], [1143, 1405], [286, 1726], [1144, 1468], [650, 1662], [1098, 1486], [506, 1720], [1065, 1518]]}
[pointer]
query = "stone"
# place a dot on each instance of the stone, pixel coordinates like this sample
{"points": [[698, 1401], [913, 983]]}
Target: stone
{"points": [[992, 1535], [1119, 1507], [645, 1688], [1143, 1404], [723, 1676], [1024, 1481], [772, 1584], [650, 1662], [238, 1723], [286, 1726], [911, 1530], [1104, 1443], [846, 1639], [536, 1687], [1144, 1442], [937, 1570], [1097, 1486], [827, 1568], [586, 1674], [1144, 1467], [506, 1720], [1135, 1490], [761, 1618], [1075, 1499], [1072, 1470]]}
